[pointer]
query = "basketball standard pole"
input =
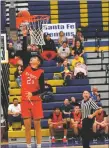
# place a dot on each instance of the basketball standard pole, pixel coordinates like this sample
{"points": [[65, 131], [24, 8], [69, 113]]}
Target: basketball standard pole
{"points": [[12, 18]]}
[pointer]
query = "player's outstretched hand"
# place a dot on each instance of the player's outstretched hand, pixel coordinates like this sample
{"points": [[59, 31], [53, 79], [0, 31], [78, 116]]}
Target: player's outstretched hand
{"points": [[29, 95]]}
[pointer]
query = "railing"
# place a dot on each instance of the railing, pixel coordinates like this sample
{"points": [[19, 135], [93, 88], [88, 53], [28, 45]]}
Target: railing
{"points": [[97, 45], [97, 42], [102, 58], [107, 73]]}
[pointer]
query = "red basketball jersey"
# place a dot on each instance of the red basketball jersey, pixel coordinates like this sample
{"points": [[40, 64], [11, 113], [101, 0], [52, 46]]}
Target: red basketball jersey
{"points": [[30, 82], [77, 117], [100, 117]]}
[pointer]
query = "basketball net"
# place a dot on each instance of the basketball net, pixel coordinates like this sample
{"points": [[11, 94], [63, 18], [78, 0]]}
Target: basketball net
{"points": [[36, 32], [34, 25]]}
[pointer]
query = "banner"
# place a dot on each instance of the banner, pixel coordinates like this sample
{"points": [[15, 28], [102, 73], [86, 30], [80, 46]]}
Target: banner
{"points": [[53, 29]]}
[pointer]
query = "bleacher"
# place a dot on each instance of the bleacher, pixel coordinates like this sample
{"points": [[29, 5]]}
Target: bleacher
{"points": [[89, 15]]}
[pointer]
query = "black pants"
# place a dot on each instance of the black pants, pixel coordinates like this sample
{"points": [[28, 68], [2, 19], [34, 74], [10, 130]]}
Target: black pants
{"points": [[87, 131], [12, 119]]}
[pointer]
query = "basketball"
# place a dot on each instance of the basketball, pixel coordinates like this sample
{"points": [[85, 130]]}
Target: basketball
{"points": [[23, 13]]}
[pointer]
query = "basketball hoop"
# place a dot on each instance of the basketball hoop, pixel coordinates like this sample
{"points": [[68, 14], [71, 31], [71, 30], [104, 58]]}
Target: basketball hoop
{"points": [[34, 25]]}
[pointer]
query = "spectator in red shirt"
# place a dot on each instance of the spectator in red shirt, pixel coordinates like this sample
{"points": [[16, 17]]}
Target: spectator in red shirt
{"points": [[101, 123], [76, 119], [13, 58], [56, 121]]}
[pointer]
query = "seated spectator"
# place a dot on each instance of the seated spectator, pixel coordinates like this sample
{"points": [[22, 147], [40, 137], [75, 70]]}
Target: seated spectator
{"points": [[67, 60], [48, 95], [66, 110], [62, 38], [79, 36], [64, 64], [96, 96], [34, 48], [13, 59], [67, 75], [14, 114], [77, 59], [49, 49], [63, 52], [18, 44], [73, 101], [101, 124], [11, 51], [16, 61], [56, 121], [80, 71], [17, 75], [78, 49], [76, 120], [66, 72]]}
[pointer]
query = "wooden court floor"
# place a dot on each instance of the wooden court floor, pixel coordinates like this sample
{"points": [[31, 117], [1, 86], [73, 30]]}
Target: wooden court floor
{"points": [[94, 146], [24, 146]]}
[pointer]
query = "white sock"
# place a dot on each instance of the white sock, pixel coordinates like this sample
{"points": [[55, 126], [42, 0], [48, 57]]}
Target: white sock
{"points": [[29, 146], [64, 136], [53, 137], [38, 145]]}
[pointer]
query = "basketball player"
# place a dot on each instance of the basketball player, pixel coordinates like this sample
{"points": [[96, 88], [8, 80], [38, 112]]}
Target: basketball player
{"points": [[101, 123], [31, 103], [76, 122]]}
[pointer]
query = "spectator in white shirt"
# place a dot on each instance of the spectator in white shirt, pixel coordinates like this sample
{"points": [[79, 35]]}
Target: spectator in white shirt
{"points": [[63, 52], [14, 114]]}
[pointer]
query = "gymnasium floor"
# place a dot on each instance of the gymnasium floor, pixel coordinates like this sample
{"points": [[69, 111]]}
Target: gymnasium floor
{"points": [[48, 145]]}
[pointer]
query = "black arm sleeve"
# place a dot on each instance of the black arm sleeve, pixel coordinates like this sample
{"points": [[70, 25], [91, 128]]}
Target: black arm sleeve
{"points": [[41, 83], [24, 45]]}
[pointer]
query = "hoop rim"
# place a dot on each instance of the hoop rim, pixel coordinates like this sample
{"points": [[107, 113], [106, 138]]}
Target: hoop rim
{"points": [[32, 18]]}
